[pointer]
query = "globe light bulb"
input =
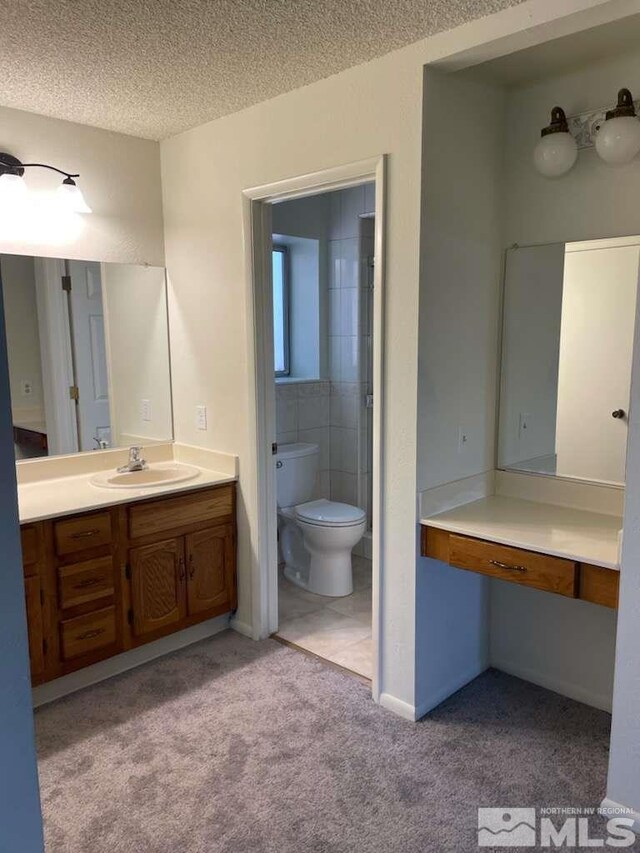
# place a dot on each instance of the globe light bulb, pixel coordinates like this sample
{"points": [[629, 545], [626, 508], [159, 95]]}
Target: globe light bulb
{"points": [[618, 139], [557, 150]]}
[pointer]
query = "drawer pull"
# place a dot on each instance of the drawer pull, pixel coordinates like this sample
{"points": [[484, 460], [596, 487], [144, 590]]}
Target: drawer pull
{"points": [[508, 566], [85, 534], [90, 635], [87, 583]]}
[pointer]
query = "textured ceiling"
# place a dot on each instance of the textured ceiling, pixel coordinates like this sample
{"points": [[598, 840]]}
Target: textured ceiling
{"points": [[155, 67]]}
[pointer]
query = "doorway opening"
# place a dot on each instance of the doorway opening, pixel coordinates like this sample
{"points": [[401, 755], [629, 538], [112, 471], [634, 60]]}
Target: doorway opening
{"points": [[317, 299]]}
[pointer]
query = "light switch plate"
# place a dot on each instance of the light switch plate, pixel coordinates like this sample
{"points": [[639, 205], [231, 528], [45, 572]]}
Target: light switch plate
{"points": [[201, 417], [145, 410]]}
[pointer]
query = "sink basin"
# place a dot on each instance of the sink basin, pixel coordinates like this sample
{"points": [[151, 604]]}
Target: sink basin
{"points": [[160, 474]]}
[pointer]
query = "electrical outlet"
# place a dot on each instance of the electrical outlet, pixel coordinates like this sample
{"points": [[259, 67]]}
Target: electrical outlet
{"points": [[463, 439], [201, 417], [26, 387], [145, 410], [525, 425]]}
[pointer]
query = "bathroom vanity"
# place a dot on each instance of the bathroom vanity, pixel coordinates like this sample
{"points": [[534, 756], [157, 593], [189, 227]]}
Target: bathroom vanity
{"points": [[102, 582]]}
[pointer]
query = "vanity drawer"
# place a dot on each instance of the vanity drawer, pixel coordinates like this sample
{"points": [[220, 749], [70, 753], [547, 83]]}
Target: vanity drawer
{"points": [[80, 583], [79, 534], [30, 550], [539, 571], [599, 585], [88, 633], [153, 517]]}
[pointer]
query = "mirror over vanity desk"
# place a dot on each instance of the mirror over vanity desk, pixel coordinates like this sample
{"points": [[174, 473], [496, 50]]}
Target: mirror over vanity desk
{"points": [[534, 544]]}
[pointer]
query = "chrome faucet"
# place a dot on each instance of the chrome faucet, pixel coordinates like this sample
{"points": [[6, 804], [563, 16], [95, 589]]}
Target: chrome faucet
{"points": [[135, 463]]}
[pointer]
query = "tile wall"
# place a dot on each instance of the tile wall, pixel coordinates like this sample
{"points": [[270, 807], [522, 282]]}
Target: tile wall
{"points": [[332, 412], [303, 414], [350, 326]]}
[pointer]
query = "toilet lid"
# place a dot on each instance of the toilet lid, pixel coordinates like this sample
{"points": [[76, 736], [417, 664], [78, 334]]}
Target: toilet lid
{"points": [[330, 513]]}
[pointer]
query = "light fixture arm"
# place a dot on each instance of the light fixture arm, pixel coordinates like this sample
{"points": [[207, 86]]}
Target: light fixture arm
{"points": [[11, 165]]}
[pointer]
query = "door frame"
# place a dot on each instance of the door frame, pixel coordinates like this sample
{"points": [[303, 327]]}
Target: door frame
{"points": [[56, 355], [257, 203]]}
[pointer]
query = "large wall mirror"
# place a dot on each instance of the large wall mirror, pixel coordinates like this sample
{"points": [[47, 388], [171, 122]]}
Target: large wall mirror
{"points": [[88, 351], [569, 311]]}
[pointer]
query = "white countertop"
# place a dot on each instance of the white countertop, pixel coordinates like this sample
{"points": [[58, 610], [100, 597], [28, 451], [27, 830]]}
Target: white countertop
{"points": [[575, 534], [70, 495]]}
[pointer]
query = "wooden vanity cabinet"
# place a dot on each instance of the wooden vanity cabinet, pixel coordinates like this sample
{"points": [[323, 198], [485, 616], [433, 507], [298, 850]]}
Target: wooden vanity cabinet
{"points": [[100, 583], [181, 562], [158, 587], [528, 568]]}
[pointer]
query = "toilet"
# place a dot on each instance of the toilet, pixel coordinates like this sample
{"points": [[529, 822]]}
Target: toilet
{"points": [[316, 536]]}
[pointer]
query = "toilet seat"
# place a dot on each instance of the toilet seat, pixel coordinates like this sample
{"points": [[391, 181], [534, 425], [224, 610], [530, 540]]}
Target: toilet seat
{"points": [[324, 513]]}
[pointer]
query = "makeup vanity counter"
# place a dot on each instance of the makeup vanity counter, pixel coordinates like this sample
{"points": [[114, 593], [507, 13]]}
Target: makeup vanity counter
{"points": [[566, 550], [573, 534]]}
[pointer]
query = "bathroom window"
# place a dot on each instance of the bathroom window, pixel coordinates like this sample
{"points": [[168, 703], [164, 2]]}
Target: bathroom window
{"points": [[280, 311]]}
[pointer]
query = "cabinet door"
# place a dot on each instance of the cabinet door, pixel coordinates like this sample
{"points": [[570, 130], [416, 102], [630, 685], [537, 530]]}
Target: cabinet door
{"points": [[210, 569], [35, 627], [158, 585]]}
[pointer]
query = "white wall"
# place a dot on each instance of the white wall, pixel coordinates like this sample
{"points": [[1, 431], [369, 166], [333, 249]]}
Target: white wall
{"points": [[461, 276], [596, 348], [623, 785], [23, 338], [119, 176], [137, 342], [459, 298], [373, 109]]}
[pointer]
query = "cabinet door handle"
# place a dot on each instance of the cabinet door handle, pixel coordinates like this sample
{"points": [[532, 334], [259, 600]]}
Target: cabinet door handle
{"points": [[508, 566], [91, 635], [85, 534], [87, 583], [192, 568], [181, 568]]}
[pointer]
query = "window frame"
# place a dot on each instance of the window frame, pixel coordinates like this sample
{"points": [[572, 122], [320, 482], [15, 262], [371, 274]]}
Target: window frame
{"points": [[286, 297]]}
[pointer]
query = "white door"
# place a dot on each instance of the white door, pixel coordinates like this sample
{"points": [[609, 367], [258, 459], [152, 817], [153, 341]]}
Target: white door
{"points": [[596, 343], [89, 352]]}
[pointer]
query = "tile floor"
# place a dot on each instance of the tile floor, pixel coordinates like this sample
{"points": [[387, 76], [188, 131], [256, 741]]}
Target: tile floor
{"points": [[337, 629]]}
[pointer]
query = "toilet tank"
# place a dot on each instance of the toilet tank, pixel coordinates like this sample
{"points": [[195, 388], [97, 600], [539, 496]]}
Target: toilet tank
{"points": [[296, 470]]}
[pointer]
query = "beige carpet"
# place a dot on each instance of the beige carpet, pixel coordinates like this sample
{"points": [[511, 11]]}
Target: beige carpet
{"points": [[231, 746]]}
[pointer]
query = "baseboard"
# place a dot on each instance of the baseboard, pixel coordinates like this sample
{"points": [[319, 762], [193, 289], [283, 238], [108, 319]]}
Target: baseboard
{"points": [[241, 627], [398, 706], [610, 807], [564, 688], [452, 687], [66, 684]]}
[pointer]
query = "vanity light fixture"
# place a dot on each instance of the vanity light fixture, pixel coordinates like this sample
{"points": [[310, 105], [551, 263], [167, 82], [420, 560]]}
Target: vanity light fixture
{"points": [[14, 191], [618, 139], [557, 150]]}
